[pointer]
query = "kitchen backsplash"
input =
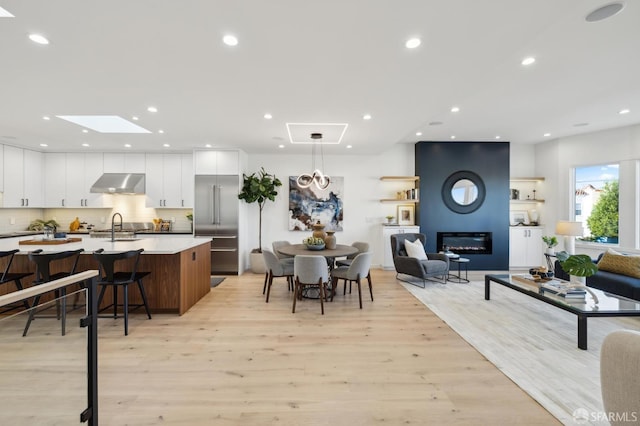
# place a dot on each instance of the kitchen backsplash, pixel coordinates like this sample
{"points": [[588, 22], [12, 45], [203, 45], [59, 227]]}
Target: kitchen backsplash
{"points": [[132, 208]]}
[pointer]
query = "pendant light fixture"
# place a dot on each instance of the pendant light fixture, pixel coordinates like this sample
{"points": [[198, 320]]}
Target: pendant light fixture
{"points": [[320, 180]]}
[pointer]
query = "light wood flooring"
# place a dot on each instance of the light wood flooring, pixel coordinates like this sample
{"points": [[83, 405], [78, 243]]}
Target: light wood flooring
{"points": [[235, 360]]}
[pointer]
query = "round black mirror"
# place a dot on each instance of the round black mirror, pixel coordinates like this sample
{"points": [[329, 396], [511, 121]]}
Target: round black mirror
{"points": [[463, 192]]}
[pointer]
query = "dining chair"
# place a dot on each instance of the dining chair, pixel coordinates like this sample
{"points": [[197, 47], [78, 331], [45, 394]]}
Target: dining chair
{"points": [[276, 245], [358, 269], [109, 277], [362, 247], [310, 271], [44, 262], [276, 268], [15, 277]]}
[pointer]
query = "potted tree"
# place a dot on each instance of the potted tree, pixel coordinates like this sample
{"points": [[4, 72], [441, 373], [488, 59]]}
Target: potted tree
{"points": [[258, 188]]}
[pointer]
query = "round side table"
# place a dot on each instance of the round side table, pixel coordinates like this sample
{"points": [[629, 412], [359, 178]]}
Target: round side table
{"points": [[458, 278]]}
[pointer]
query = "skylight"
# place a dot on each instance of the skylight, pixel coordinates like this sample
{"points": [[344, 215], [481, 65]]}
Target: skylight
{"points": [[4, 13], [104, 123]]}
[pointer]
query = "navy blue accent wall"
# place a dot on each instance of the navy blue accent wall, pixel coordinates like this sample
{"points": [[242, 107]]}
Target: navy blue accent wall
{"points": [[435, 161]]}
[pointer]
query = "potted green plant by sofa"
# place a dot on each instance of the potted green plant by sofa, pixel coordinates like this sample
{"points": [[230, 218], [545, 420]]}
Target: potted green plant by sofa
{"points": [[579, 265], [259, 188], [551, 241]]}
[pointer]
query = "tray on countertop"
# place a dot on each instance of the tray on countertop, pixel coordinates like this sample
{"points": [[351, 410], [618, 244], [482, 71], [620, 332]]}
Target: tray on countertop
{"points": [[50, 242]]}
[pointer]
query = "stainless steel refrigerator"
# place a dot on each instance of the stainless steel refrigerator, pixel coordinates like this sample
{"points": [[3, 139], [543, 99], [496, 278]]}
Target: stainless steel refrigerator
{"points": [[215, 214]]}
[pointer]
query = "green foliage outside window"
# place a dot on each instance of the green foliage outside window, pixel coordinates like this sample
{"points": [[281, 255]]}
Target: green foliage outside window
{"points": [[603, 221]]}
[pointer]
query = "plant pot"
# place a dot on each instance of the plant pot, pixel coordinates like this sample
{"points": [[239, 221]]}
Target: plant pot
{"points": [[550, 251], [256, 263]]}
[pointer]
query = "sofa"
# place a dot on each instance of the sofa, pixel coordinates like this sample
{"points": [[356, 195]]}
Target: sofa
{"points": [[617, 275]]}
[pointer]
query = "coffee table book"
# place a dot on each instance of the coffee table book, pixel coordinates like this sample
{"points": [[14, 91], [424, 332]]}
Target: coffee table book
{"points": [[553, 286]]}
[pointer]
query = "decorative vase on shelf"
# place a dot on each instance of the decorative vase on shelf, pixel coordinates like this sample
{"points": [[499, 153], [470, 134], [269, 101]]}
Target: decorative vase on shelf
{"points": [[330, 240], [318, 230]]}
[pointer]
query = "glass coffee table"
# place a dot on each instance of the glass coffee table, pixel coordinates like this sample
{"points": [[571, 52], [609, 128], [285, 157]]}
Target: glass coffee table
{"points": [[607, 305]]}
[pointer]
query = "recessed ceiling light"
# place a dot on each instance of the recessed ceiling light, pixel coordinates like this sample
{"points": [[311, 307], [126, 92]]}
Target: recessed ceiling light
{"points": [[46, 117], [37, 38], [134, 118], [43, 144], [546, 135], [161, 131], [152, 109], [349, 146], [4, 13], [104, 123], [166, 145], [453, 136], [455, 109], [230, 40], [624, 111], [127, 145], [207, 145], [366, 117], [85, 144], [604, 12], [528, 61], [280, 146], [412, 43], [418, 133], [268, 116], [497, 137]]}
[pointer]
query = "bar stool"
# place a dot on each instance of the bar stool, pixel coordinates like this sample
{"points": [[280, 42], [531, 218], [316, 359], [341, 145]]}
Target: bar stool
{"points": [[8, 277], [43, 263], [110, 278]]}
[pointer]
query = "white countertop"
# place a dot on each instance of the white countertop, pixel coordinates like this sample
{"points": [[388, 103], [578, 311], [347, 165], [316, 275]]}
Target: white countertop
{"points": [[164, 245]]}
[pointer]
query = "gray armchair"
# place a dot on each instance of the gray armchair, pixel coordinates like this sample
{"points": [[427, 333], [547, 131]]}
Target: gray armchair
{"points": [[436, 264]]}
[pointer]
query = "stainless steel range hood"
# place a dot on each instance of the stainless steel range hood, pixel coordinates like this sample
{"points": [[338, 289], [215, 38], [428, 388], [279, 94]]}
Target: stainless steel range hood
{"points": [[119, 183]]}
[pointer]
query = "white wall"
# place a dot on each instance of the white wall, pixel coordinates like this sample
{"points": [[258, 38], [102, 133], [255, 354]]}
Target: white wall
{"points": [[555, 160], [363, 211]]}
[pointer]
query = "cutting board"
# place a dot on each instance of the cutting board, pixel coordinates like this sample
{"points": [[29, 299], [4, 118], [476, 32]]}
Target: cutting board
{"points": [[49, 242]]}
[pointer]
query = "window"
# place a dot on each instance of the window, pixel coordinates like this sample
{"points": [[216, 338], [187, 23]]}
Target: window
{"points": [[596, 202]]}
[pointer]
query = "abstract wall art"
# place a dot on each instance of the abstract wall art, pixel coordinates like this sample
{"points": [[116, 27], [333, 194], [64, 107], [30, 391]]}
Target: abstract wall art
{"points": [[309, 205]]}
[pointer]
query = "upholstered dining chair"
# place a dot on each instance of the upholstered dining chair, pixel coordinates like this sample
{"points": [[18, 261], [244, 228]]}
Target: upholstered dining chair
{"points": [[362, 247], [310, 271], [109, 277], [619, 372], [276, 245], [276, 268], [358, 269], [430, 266]]}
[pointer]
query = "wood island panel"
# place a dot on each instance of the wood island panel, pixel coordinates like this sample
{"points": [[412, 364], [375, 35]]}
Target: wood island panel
{"points": [[176, 283]]}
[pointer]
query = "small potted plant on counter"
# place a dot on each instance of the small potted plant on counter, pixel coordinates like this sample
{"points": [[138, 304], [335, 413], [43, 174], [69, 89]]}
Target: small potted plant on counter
{"points": [[389, 219], [551, 242]]}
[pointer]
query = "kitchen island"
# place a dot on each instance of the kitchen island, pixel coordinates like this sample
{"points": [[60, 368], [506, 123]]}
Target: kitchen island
{"points": [[180, 265]]}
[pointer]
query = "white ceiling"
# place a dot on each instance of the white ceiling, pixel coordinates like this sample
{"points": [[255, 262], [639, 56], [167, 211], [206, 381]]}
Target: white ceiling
{"points": [[307, 61]]}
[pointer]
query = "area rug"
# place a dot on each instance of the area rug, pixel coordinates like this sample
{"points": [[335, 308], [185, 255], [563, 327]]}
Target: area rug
{"points": [[533, 343], [216, 281]]}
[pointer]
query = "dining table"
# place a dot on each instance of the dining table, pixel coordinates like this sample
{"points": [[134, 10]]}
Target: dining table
{"points": [[329, 254]]}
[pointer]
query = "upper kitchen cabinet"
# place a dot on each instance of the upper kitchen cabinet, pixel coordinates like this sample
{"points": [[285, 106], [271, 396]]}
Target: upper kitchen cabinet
{"points": [[217, 162], [124, 163], [68, 180], [168, 184], [23, 175]]}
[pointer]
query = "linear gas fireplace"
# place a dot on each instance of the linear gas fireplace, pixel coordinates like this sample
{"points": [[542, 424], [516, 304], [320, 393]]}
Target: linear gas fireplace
{"points": [[465, 242]]}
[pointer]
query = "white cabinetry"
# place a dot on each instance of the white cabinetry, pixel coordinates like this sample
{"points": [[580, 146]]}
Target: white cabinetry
{"points": [[68, 180], [217, 162], [83, 170], [165, 174], [525, 247], [23, 177], [387, 232], [124, 163]]}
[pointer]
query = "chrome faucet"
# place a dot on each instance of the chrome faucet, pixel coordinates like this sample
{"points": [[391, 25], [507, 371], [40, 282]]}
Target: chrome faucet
{"points": [[113, 226]]}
